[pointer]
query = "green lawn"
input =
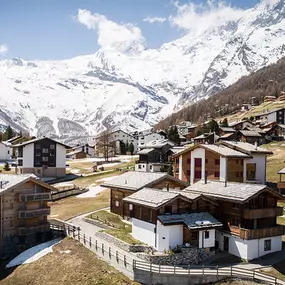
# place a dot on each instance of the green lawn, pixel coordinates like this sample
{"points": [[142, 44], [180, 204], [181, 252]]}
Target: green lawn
{"points": [[120, 229]]}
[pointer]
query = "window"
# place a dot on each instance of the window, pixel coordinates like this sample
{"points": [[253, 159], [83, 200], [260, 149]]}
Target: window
{"points": [[235, 206], [38, 153], [194, 235], [206, 160], [45, 150], [117, 203], [45, 158], [38, 146], [217, 174], [168, 209], [188, 173], [131, 207], [198, 162], [198, 175], [20, 162], [143, 165], [8, 151], [267, 245], [207, 234], [150, 167], [188, 160], [140, 167], [52, 146], [51, 154], [217, 161], [38, 171]]}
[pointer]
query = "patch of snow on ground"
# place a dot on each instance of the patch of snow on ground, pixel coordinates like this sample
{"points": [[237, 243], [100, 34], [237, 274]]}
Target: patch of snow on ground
{"points": [[107, 179], [75, 171], [34, 253], [92, 192]]}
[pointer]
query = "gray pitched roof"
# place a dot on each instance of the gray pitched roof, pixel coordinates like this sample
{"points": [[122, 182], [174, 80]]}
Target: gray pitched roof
{"points": [[37, 140], [145, 151], [154, 198], [250, 133], [8, 181], [245, 147], [225, 151], [227, 129], [203, 136], [235, 192], [282, 171], [192, 221], [133, 180], [158, 143]]}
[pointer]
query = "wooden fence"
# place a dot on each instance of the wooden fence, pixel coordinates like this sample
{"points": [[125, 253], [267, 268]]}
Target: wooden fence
{"points": [[67, 193], [131, 265]]}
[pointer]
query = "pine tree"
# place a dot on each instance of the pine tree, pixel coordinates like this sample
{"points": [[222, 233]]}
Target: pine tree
{"points": [[170, 170], [9, 133], [225, 123], [175, 136], [122, 147]]}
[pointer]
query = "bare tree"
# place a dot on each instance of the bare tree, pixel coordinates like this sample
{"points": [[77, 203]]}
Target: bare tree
{"points": [[105, 146]]}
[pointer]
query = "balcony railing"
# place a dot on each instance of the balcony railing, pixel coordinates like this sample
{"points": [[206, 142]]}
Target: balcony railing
{"points": [[34, 213], [262, 213], [281, 185], [33, 229], [35, 197], [261, 233]]}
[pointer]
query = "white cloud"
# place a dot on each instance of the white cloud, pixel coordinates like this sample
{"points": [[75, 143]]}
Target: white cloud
{"points": [[200, 17], [152, 20], [3, 48], [123, 36]]}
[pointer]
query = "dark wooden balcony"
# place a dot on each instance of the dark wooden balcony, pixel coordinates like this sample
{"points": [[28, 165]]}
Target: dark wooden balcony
{"points": [[34, 213], [262, 213], [34, 197], [26, 230], [281, 185], [261, 233]]}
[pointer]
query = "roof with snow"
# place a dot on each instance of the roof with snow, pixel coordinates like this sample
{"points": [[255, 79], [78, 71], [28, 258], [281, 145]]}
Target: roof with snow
{"points": [[192, 221], [227, 129], [145, 151], [158, 143], [250, 133]]}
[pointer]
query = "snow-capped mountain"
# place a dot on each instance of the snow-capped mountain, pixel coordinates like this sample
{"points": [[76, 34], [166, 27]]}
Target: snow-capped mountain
{"points": [[135, 87]]}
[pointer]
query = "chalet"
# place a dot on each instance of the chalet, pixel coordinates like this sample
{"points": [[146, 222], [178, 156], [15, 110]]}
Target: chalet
{"points": [[225, 130], [238, 218], [240, 125], [165, 218], [226, 161], [6, 151], [23, 212], [153, 155], [206, 138], [81, 151], [281, 183], [250, 137], [228, 137], [277, 116], [248, 213], [44, 157], [130, 182]]}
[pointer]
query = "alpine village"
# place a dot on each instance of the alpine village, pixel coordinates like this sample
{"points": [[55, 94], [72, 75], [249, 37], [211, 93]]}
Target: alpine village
{"points": [[196, 197]]}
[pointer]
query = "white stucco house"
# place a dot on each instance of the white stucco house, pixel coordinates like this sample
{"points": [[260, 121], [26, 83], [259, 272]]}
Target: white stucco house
{"points": [[5, 151]]}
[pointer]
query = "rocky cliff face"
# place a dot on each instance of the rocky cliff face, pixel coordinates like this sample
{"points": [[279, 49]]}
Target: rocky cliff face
{"points": [[134, 89]]}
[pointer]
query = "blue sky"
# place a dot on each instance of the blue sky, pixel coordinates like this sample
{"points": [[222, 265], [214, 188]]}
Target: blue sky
{"points": [[37, 29]]}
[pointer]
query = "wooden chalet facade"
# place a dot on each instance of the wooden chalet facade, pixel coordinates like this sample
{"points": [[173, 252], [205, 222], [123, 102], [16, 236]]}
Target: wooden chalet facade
{"points": [[23, 214]]}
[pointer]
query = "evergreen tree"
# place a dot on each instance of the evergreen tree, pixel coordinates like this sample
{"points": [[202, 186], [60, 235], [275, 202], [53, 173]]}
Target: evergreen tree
{"points": [[213, 126], [131, 148], [127, 146], [122, 147], [251, 118], [7, 166], [9, 133], [175, 136], [225, 123], [170, 170]]}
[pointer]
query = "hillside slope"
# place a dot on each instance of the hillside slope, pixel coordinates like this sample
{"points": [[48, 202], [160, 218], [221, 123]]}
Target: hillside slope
{"points": [[269, 80], [134, 88]]}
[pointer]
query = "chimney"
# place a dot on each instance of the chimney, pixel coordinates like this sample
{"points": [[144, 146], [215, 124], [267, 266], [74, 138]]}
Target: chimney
{"points": [[167, 186]]}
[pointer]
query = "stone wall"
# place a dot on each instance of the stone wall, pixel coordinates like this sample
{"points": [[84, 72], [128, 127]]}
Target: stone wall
{"points": [[96, 223], [123, 245], [189, 256]]}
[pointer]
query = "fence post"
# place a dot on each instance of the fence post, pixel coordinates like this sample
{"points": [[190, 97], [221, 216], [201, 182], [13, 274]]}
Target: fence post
{"points": [[96, 244], [253, 274], [73, 233], [217, 270], [150, 267], [203, 270], [125, 261], [84, 239], [103, 248], [110, 252], [276, 281], [174, 270], [90, 242], [231, 271], [159, 268], [117, 256], [188, 269], [134, 264]]}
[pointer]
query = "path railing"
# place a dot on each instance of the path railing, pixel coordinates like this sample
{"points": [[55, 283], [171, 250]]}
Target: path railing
{"points": [[131, 266]]}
